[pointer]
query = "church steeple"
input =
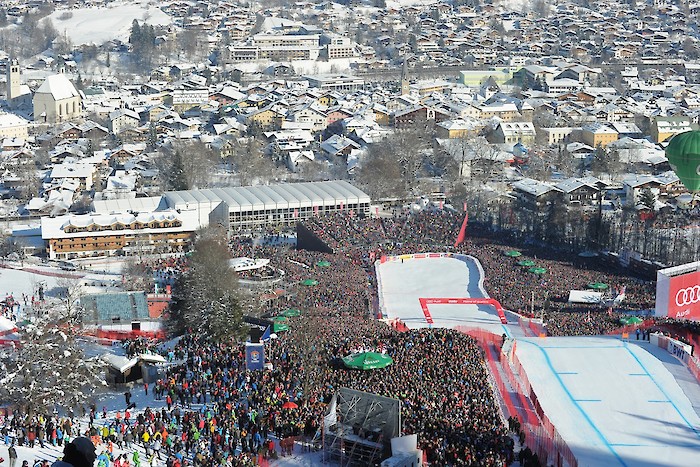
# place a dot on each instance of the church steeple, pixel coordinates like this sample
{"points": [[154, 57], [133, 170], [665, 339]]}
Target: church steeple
{"points": [[13, 81], [405, 83]]}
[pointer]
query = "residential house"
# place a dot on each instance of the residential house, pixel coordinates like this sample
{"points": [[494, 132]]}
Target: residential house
{"points": [[580, 191], [310, 113], [506, 111], [416, 114], [534, 194], [556, 135], [457, 128], [514, 132], [635, 184], [82, 175], [596, 134], [265, 118], [121, 119], [338, 146], [13, 126], [663, 128]]}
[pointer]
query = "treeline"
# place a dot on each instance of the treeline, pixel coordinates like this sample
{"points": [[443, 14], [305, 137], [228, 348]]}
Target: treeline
{"points": [[143, 43]]}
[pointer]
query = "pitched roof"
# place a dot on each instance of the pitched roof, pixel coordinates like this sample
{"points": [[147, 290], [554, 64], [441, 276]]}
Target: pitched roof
{"points": [[59, 87]]}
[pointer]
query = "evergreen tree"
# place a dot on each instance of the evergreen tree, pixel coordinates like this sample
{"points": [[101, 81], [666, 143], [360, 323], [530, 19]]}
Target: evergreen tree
{"points": [[152, 141], [48, 370], [206, 296], [177, 178], [647, 199]]}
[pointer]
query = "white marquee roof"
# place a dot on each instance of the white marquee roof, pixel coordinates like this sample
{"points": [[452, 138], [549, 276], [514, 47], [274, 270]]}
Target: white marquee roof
{"points": [[263, 197]]}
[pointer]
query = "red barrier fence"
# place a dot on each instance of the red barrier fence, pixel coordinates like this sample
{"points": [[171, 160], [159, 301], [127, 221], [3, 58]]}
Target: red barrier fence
{"points": [[541, 436], [694, 368]]}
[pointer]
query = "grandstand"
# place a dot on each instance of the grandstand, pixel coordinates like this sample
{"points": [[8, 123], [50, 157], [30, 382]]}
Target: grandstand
{"points": [[122, 307], [243, 208]]}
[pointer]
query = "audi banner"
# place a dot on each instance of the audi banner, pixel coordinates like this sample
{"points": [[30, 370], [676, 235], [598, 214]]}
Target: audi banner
{"points": [[678, 292]]}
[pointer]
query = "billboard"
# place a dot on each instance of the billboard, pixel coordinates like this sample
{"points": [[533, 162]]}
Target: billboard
{"points": [[678, 292]]}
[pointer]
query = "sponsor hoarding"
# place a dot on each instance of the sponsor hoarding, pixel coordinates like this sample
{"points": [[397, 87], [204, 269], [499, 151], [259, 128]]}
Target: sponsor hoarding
{"points": [[678, 292]]}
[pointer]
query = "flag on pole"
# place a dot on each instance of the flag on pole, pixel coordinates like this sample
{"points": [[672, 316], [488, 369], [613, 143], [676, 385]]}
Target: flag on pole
{"points": [[266, 334], [462, 230], [331, 418]]}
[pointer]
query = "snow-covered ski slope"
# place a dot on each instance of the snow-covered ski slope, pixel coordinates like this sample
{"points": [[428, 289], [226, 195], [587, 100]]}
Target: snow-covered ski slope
{"points": [[613, 402]]}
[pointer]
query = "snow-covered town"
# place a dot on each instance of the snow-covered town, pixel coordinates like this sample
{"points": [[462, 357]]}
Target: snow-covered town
{"points": [[350, 232]]}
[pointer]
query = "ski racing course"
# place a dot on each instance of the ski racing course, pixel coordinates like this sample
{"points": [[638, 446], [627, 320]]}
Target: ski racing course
{"points": [[431, 289], [613, 402]]}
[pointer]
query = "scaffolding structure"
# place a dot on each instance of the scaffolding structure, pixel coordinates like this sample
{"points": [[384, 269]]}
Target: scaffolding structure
{"points": [[361, 429]]}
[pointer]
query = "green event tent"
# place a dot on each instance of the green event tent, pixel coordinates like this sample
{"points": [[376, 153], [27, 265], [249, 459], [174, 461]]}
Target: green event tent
{"points": [[513, 253], [367, 361], [526, 263], [309, 282], [627, 320], [683, 153], [291, 312], [537, 270], [279, 327], [597, 286], [323, 264]]}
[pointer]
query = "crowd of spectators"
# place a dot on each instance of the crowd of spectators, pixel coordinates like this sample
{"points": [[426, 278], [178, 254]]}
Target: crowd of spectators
{"points": [[219, 414]]}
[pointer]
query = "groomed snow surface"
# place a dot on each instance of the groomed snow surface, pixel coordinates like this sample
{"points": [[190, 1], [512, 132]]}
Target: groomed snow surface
{"points": [[613, 402], [404, 283]]}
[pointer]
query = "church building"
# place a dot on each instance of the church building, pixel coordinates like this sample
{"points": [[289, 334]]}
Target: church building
{"points": [[57, 100]]}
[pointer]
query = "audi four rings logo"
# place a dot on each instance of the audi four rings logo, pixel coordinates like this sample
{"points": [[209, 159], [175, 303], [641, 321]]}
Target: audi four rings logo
{"points": [[688, 296]]}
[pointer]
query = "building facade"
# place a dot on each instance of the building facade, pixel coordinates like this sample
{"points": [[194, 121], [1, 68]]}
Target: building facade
{"points": [[94, 235]]}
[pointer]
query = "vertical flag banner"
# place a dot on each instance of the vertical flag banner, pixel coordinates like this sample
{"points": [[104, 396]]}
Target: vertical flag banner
{"points": [[463, 229], [254, 356], [296, 213]]}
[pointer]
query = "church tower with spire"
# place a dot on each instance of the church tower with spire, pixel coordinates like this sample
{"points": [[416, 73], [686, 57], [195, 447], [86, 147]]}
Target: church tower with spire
{"points": [[405, 83]]}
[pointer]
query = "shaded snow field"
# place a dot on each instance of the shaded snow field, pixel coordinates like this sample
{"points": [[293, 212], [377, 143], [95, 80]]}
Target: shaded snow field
{"points": [[613, 402], [97, 25]]}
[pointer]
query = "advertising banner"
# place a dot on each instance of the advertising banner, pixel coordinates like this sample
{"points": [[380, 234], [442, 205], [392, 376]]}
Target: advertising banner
{"points": [[254, 356], [684, 296]]}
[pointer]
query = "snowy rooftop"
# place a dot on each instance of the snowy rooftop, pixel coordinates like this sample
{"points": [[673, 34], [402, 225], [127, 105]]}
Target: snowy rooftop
{"points": [[58, 86], [283, 196]]}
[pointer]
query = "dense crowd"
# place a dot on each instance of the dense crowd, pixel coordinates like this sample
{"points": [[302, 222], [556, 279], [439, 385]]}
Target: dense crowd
{"points": [[514, 286], [219, 414]]}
